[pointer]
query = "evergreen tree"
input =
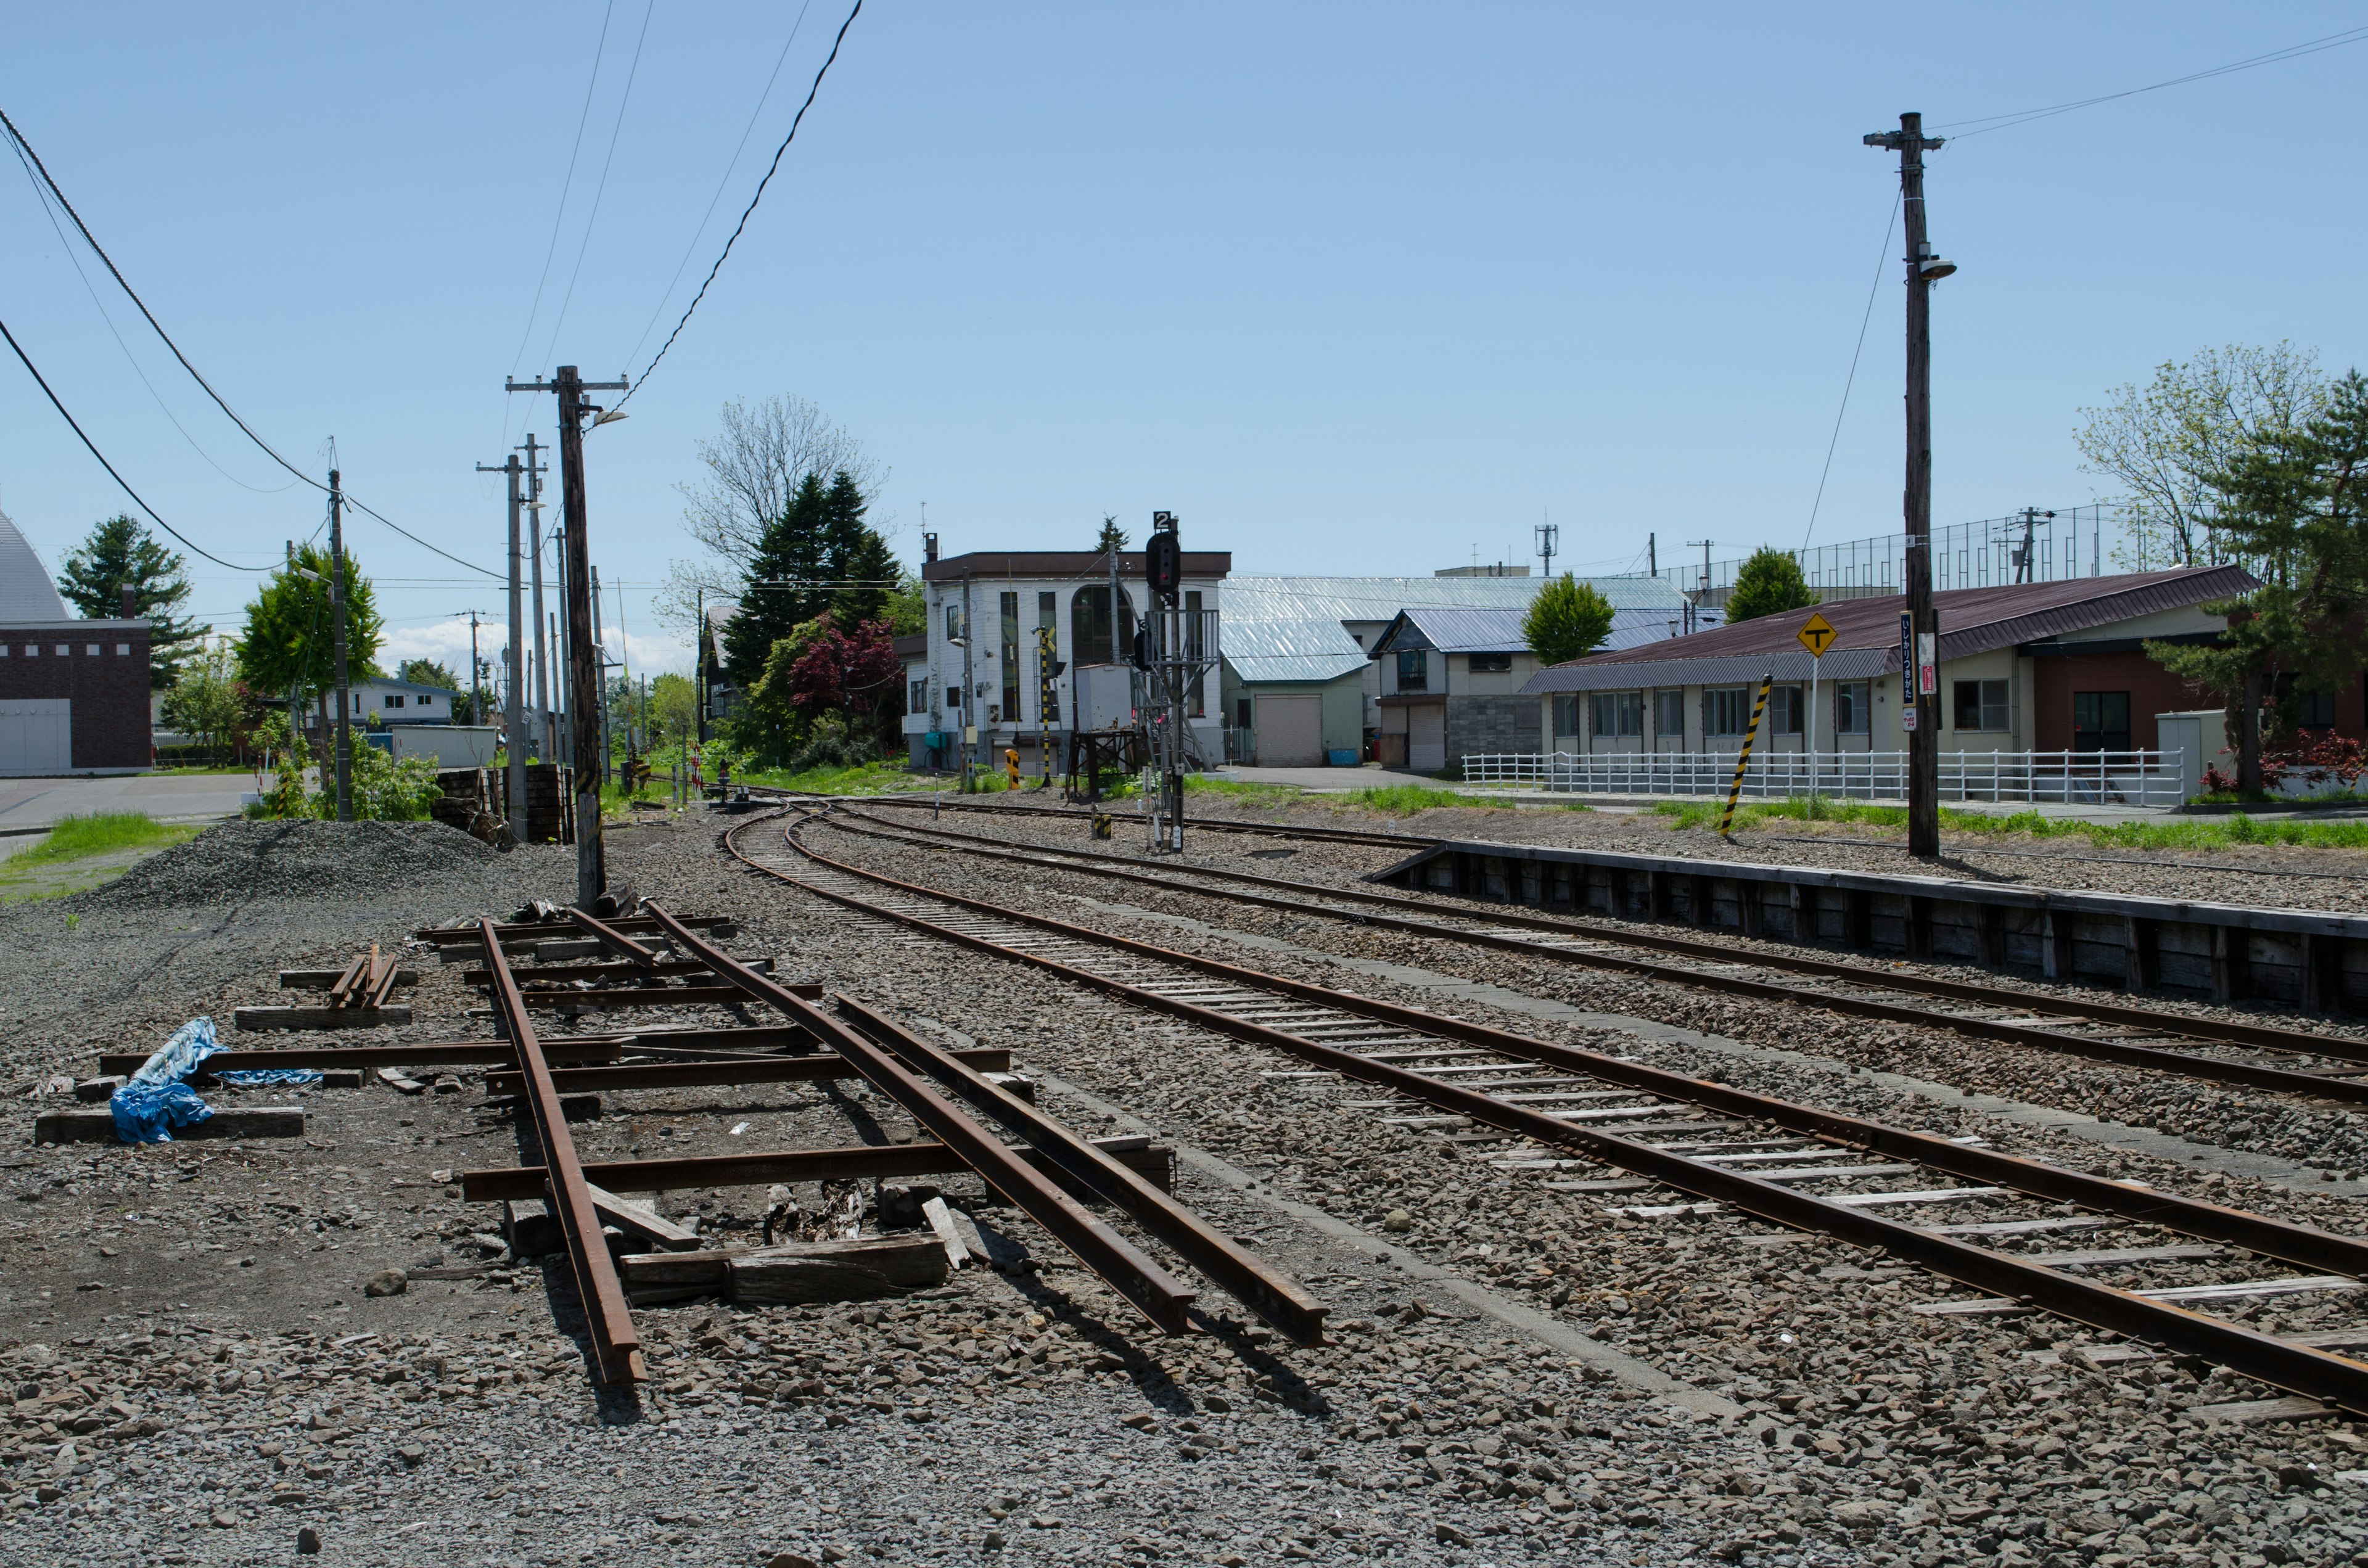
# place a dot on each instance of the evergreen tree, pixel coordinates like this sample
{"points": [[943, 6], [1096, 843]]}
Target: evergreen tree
{"points": [[121, 553], [1568, 619], [853, 552], [775, 600], [1768, 584], [1112, 535]]}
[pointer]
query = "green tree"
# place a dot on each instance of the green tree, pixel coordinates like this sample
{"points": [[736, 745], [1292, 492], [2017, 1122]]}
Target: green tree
{"points": [[121, 553], [906, 610], [1112, 536], [819, 554], [2294, 511], [1770, 583], [289, 641], [205, 700], [2171, 443], [674, 709], [1568, 619], [854, 554]]}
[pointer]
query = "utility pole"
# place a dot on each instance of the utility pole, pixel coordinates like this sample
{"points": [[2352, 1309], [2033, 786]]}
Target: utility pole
{"points": [[583, 671], [1701, 595], [1548, 538], [534, 473], [477, 686], [1919, 630], [1652, 558], [514, 710], [345, 741], [600, 662]]}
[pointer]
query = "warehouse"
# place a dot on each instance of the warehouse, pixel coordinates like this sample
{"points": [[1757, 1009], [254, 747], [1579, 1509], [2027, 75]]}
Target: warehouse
{"points": [[74, 693]]}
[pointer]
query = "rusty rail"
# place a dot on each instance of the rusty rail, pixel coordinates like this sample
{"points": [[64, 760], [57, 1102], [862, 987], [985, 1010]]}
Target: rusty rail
{"points": [[1155, 1292], [616, 1343]]}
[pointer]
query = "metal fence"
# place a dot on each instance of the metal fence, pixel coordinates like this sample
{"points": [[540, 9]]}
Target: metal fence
{"points": [[2092, 777]]}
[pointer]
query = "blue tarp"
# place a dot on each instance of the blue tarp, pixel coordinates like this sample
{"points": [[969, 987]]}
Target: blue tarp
{"points": [[158, 1097]]}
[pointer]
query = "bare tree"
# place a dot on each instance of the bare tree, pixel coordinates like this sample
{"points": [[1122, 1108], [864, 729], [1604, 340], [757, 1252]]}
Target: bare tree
{"points": [[754, 466], [2167, 442]]}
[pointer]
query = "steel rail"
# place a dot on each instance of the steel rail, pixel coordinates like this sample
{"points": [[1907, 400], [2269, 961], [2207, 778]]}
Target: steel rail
{"points": [[616, 941], [2299, 1369], [1273, 1296], [2227, 1031], [616, 1343], [1155, 1292], [1206, 825], [2180, 1063], [863, 1163]]}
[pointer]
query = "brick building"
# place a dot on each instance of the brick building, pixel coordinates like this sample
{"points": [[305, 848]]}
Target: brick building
{"points": [[74, 693]]}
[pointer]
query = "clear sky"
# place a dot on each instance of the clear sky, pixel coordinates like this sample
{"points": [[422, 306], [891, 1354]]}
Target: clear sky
{"points": [[1354, 288]]}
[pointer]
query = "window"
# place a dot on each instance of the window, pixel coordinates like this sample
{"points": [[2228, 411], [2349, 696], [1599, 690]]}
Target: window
{"points": [[1048, 653], [2318, 710], [1566, 714], [1786, 707], [1010, 711], [32, 650], [92, 650], [917, 695], [1852, 708], [1414, 669], [2101, 721], [1617, 713], [63, 651], [1491, 663], [1670, 715], [954, 699], [1242, 714], [1981, 705], [1090, 626], [426, 702], [123, 650], [1726, 710], [953, 622], [394, 699]]}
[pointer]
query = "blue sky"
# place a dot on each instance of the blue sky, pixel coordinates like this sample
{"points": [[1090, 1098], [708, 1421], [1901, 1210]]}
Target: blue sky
{"points": [[1352, 288]]}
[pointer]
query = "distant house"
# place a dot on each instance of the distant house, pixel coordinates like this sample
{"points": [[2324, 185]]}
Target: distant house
{"points": [[2029, 667], [74, 693], [1302, 682], [395, 702]]}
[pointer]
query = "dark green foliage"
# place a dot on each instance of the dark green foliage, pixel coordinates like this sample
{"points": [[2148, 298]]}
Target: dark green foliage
{"points": [[1568, 619], [1768, 584], [821, 539], [2294, 516], [1112, 535], [289, 638], [120, 552]]}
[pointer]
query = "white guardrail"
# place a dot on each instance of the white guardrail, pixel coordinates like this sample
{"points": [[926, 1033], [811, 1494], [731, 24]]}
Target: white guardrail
{"points": [[2092, 777]]}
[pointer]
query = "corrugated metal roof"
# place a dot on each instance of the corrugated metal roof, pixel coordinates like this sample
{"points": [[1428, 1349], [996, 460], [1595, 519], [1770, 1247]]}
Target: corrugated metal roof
{"points": [[1294, 628], [28, 597]]}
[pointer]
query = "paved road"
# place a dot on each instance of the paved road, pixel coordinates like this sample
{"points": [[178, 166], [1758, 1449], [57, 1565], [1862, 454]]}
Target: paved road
{"points": [[37, 802]]}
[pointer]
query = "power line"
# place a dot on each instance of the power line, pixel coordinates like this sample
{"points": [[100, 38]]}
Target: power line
{"points": [[687, 250], [26, 148], [111, 467], [1882, 260], [49, 211], [600, 189], [422, 544], [751, 207], [551, 250], [1988, 123]]}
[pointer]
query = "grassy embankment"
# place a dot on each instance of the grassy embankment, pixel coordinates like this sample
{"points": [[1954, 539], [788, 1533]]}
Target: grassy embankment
{"points": [[2179, 833], [84, 851]]}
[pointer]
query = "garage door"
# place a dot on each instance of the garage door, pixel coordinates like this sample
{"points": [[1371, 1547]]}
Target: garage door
{"points": [[36, 736], [1291, 732]]}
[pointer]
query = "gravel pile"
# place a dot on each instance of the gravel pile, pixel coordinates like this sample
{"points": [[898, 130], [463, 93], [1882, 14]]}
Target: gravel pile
{"points": [[358, 861]]}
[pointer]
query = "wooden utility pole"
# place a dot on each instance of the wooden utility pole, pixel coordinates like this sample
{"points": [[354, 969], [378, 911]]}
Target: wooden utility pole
{"points": [[583, 656], [345, 741], [1919, 641], [514, 703]]}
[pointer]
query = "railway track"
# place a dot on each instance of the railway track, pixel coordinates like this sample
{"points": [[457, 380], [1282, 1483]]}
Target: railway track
{"points": [[2143, 1264], [2260, 1056]]}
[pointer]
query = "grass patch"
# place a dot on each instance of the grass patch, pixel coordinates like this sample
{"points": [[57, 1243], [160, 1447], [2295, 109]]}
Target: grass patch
{"points": [[1401, 800], [2179, 833], [1267, 794], [78, 838], [861, 779]]}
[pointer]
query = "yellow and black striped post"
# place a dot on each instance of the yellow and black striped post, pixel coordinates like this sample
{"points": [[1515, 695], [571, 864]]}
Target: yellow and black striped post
{"points": [[1727, 820]]}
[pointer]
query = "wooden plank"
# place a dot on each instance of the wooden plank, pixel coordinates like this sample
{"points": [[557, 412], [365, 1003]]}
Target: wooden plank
{"points": [[2126, 1255], [941, 1225], [394, 1078], [235, 1121], [564, 973], [642, 1220], [725, 926], [859, 1163], [434, 1053], [820, 1067], [323, 979], [2255, 1412], [617, 997], [260, 1018]]}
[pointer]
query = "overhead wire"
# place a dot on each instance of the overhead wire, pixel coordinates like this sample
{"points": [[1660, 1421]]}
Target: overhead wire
{"points": [[26, 147], [585, 247], [1984, 124], [525, 334], [721, 185], [1882, 260], [750, 210], [44, 382]]}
